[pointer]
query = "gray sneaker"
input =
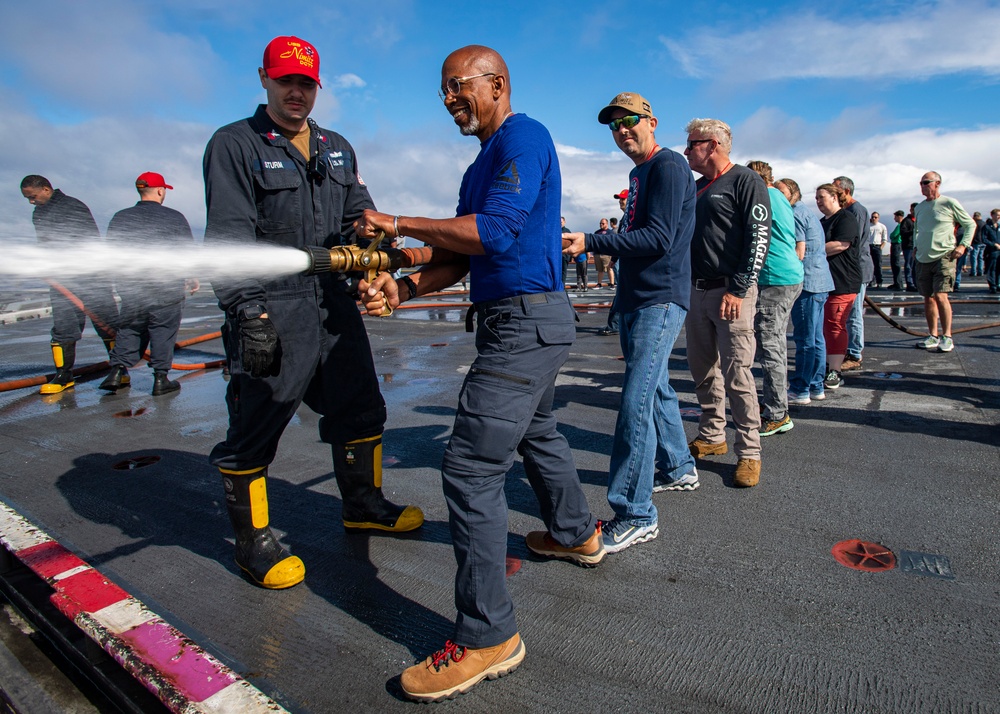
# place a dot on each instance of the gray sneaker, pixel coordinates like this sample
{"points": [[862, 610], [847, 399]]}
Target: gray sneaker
{"points": [[946, 344], [687, 482], [930, 342], [619, 535]]}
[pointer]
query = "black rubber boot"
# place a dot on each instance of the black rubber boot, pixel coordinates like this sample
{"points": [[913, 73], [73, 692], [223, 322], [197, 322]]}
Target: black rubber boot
{"points": [[162, 385], [358, 467], [63, 355], [258, 552], [117, 379], [109, 344]]}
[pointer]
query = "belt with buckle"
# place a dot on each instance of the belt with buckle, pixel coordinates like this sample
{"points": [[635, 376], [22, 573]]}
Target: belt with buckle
{"points": [[711, 284]]}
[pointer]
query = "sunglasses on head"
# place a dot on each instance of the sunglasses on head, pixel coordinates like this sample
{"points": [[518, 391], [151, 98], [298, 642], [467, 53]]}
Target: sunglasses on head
{"points": [[627, 121]]}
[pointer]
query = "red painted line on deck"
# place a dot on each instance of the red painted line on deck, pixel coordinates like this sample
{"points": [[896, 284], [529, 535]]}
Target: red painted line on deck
{"points": [[182, 675]]}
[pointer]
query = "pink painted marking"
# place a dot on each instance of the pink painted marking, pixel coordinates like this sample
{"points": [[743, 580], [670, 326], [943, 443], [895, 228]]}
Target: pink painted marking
{"points": [[178, 659]]}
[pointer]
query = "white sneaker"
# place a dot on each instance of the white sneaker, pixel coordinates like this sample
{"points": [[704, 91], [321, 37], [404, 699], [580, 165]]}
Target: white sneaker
{"points": [[946, 344], [929, 343], [687, 482], [796, 398], [619, 535]]}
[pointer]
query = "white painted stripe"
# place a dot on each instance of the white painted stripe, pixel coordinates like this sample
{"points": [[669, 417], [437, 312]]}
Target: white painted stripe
{"points": [[239, 696], [123, 615], [16, 533], [71, 572]]}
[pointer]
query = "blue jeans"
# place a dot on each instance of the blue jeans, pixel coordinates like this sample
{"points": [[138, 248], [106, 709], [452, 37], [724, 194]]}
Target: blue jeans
{"points": [[959, 265], [649, 433], [856, 326], [810, 347], [992, 268], [976, 264], [909, 256]]}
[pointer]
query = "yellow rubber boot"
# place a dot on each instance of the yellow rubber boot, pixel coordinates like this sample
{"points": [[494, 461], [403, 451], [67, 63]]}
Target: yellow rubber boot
{"points": [[63, 355], [258, 552], [358, 467]]}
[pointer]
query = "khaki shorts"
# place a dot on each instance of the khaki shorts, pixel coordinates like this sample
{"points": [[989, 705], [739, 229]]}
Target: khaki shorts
{"points": [[603, 262], [936, 277]]}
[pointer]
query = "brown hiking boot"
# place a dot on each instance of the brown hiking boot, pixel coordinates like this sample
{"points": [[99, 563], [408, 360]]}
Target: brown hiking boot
{"points": [[587, 555], [747, 473], [700, 448], [850, 365], [455, 670]]}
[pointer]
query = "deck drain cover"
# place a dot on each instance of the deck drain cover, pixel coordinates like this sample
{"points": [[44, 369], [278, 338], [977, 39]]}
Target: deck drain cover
{"points": [[929, 564], [861, 555], [135, 463]]}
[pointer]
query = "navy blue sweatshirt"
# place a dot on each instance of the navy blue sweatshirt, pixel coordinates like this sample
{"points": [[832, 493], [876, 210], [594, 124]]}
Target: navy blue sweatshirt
{"points": [[654, 245]]}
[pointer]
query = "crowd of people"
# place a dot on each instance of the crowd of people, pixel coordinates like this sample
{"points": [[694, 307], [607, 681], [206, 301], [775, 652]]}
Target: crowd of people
{"points": [[730, 256]]}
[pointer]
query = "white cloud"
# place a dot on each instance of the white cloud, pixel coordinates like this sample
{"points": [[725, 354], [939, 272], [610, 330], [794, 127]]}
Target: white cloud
{"points": [[346, 81], [918, 42], [419, 172], [885, 167], [589, 180]]}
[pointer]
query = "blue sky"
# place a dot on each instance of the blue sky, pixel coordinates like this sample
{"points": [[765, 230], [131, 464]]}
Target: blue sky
{"points": [[97, 92]]}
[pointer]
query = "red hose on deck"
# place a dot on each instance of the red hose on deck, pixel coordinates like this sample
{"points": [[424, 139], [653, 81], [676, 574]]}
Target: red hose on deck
{"points": [[100, 366]]}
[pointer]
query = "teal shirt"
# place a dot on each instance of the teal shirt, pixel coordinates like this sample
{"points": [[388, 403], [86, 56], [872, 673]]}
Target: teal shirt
{"points": [[782, 266]]}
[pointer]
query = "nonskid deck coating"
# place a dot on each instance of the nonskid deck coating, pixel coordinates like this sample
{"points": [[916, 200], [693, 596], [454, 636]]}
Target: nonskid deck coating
{"points": [[737, 606]]}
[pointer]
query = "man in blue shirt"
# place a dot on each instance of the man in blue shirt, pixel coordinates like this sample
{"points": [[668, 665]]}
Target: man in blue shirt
{"points": [[506, 233], [654, 288]]}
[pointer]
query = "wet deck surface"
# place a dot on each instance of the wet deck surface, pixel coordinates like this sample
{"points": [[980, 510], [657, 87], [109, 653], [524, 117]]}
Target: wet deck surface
{"points": [[738, 606]]}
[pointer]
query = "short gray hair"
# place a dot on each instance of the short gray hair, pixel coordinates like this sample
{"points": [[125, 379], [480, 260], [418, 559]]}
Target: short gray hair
{"points": [[845, 183], [714, 128]]}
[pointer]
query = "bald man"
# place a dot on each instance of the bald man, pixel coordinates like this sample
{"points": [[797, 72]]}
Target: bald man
{"points": [[507, 235]]}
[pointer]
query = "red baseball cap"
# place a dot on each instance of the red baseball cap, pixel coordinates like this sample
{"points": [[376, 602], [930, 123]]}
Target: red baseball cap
{"points": [[151, 180], [623, 194], [291, 55]]}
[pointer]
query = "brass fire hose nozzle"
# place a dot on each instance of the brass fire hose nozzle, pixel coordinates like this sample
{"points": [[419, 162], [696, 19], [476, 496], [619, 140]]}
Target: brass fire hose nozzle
{"points": [[371, 260]]}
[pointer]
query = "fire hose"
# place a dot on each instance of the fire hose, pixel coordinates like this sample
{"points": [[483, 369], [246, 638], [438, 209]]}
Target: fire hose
{"points": [[342, 259]]}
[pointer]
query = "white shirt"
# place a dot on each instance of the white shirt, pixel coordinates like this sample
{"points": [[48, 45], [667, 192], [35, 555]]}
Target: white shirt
{"points": [[877, 234]]}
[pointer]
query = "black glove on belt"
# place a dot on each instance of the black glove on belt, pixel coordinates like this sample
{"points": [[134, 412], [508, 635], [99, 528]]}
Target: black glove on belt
{"points": [[258, 343]]}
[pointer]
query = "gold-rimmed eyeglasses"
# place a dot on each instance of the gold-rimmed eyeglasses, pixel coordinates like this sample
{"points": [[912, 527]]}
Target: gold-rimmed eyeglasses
{"points": [[454, 84]]}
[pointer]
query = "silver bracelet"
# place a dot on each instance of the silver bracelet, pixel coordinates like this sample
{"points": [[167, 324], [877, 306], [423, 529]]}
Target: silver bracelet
{"points": [[395, 225]]}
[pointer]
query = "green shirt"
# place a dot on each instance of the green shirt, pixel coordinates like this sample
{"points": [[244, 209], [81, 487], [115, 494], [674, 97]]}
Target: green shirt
{"points": [[936, 228], [782, 266]]}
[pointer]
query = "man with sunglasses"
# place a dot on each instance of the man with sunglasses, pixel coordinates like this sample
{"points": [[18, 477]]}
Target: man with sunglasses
{"points": [[937, 255], [649, 452], [731, 238], [506, 234], [277, 178]]}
